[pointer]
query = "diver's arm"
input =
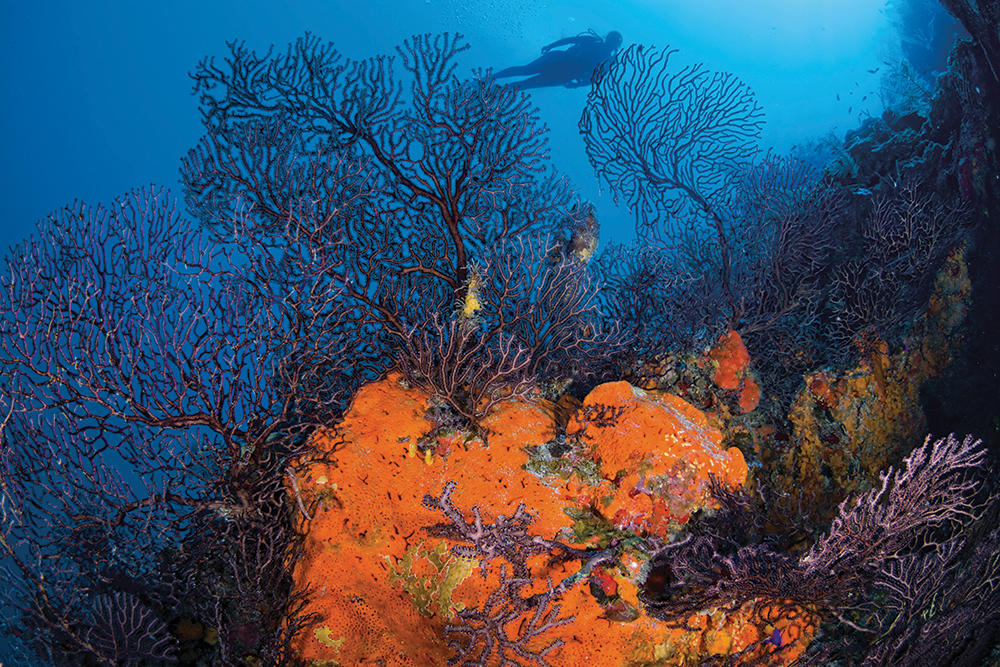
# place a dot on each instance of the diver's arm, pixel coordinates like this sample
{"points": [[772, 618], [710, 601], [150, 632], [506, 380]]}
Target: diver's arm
{"points": [[567, 40]]}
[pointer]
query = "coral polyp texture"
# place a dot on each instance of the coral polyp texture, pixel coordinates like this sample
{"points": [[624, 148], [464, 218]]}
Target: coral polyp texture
{"points": [[548, 551]]}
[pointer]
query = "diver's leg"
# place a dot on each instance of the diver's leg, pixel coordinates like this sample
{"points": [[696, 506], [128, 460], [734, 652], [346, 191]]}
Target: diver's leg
{"points": [[543, 80], [519, 70], [536, 66], [525, 83]]}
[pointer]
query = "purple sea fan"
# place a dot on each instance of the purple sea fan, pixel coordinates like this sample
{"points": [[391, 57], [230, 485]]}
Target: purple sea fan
{"points": [[934, 489], [915, 508], [664, 141], [124, 632], [484, 637]]}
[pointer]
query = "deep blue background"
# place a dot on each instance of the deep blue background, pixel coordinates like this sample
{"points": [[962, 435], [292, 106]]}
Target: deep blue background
{"points": [[96, 95]]}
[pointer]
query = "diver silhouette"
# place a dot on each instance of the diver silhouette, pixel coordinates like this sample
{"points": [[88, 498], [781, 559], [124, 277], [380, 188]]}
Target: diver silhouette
{"points": [[572, 67]]}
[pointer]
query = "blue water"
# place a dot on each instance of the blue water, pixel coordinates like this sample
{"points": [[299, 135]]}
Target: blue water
{"points": [[96, 95]]}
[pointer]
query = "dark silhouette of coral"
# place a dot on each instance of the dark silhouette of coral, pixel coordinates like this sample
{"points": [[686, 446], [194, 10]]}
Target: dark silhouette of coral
{"points": [[530, 314], [451, 171], [982, 20], [926, 34], [670, 145], [150, 384], [124, 632], [658, 304], [905, 237], [454, 359], [753, 236]]}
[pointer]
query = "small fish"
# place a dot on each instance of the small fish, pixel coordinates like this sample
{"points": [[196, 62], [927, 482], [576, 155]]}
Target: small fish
{"points": [[872, 71], [849, 109], [857, 84], [838, 97], [864, 98]]}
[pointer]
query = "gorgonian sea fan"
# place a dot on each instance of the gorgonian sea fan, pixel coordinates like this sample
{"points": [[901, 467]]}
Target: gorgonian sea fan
{"points": [[663, 141]]}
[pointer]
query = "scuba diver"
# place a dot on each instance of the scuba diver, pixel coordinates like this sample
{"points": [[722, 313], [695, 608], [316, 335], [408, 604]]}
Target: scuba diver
{"points": [[572, 67]]}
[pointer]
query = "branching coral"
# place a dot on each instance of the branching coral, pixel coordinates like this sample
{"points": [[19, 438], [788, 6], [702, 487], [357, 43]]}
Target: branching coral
{"points": [[125, 630], [669, 145], [507, 538], [132, 341], [484, 639], [905, 238], [444, 176], [455, 360], [483, 635]]}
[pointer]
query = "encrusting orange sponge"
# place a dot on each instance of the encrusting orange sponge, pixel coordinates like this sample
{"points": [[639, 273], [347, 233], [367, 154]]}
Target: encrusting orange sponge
{"points": [[384, 585], [655, 456], [730, 358]]}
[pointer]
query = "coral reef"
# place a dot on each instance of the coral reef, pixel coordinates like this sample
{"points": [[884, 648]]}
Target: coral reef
{"points": [[656, 454], [390, 582], [365, 544], [390, 405], [847, 425]]}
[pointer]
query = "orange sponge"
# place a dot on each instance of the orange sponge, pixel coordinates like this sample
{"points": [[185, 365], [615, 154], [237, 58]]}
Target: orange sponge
{"points": [[730, 358], [383, 587], [655, 456]]}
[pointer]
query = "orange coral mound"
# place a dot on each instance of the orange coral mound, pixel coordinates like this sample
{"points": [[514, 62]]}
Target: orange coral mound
{"points": [[749, 396], [365, 485], [383, 587], [730, 358], [656, 456], [736, 631]]}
